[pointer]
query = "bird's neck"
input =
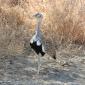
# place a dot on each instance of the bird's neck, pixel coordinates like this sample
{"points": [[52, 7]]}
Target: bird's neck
{"points": [[38, 26]]}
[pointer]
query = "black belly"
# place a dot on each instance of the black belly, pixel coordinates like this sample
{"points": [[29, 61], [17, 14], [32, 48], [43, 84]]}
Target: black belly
{"points": [[37, 49]]}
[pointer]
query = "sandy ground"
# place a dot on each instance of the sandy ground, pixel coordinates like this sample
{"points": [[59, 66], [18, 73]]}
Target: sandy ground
{"points": [[21, 70]]}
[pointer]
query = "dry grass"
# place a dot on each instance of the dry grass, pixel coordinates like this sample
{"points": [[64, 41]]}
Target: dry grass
{"points": [[63, 24]]}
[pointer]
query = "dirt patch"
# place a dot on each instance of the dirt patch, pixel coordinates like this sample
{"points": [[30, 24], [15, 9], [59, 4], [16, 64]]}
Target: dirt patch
{"points": [[20, 70]]}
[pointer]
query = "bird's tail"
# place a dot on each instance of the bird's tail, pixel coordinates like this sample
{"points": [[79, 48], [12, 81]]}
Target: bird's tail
{"points": [[42, 53]]}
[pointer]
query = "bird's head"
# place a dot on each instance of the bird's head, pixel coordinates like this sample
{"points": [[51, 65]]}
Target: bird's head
{"points": [[38, 16]]}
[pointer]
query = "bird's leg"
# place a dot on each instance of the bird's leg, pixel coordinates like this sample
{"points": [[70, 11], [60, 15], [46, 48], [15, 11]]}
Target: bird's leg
{"points": [[38, 69], [35, 56], [39, 64]]}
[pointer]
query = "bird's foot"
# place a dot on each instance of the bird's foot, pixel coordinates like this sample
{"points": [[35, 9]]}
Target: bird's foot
{"points": [[37, 76]]}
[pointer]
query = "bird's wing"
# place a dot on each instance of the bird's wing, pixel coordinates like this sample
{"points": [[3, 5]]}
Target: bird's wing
{"points": [[38, 43], [43, 49], [33, 39]]}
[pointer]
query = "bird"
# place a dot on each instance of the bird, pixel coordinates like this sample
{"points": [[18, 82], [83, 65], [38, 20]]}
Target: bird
{"points": [[36, 41]]}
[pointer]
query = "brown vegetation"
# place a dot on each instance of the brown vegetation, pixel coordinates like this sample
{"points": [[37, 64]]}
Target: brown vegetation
{"points": [[63, 24]]}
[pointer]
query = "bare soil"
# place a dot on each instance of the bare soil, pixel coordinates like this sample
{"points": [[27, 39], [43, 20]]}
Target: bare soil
{"points": [[21, 70]]}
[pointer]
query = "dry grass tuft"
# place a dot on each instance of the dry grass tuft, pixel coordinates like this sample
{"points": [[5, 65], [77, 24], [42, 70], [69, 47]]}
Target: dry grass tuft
{"points": [[63, 24]]}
